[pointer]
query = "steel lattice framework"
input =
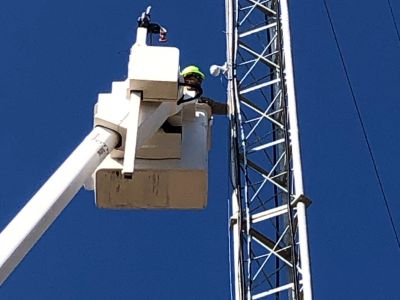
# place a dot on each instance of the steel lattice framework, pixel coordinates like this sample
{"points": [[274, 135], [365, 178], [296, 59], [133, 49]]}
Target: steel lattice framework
{"points": [[269, 233]]}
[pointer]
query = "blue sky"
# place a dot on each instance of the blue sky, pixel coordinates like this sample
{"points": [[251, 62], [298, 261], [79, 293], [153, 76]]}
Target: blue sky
{"points": [[56, 56]]}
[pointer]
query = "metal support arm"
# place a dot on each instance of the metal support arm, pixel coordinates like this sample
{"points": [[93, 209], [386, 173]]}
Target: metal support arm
{"points": [[131, 135]]}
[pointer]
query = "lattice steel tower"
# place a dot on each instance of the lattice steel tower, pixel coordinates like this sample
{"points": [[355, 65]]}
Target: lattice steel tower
{"points": [[270, 254]]}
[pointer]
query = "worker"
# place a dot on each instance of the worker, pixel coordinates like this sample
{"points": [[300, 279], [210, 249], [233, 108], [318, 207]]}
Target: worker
{"points": [[193, 79]]}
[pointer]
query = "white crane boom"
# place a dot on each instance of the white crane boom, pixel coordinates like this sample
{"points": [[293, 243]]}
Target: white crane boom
{"points": [[43, 208]]}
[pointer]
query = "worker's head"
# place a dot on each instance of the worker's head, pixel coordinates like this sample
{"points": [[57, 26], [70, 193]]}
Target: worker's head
{"points": [[192, 75]]}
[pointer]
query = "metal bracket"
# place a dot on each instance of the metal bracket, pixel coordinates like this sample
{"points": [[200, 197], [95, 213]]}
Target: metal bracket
{"points": [[131, 134]]}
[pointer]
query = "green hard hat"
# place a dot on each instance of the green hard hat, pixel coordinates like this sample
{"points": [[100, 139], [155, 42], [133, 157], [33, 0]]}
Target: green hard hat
{"points": [[192, 70]]}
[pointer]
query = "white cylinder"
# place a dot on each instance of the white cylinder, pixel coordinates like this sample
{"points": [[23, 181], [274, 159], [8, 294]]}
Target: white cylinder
{"points": [[40, 212], [304, 251], [141, 36], [236, 246]]}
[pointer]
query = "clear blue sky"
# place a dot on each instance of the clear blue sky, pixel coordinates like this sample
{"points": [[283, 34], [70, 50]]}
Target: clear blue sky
{"points": [[56, 56]]}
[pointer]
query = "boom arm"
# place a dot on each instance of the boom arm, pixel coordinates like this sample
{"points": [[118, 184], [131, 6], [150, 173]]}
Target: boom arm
{"points": [[43, 208]]}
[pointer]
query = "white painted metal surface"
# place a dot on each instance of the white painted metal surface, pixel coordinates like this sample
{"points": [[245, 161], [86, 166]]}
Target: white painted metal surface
{"points": [[296, 156], [237, 270], [154, 71], [153, 168], [170, 169], [160, 181], [40, 212], [236, 218], [266, 172], [131, 134]]}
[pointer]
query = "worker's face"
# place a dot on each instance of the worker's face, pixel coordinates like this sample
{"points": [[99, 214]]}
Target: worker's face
{"points": [[193, 79]]}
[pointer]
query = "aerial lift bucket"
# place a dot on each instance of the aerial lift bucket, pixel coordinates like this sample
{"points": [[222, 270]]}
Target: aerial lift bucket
{"points": [[155, 150], [170, 162]]}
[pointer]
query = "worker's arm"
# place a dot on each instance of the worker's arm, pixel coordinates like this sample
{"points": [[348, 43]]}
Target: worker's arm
{"points": [[217, 108]]}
